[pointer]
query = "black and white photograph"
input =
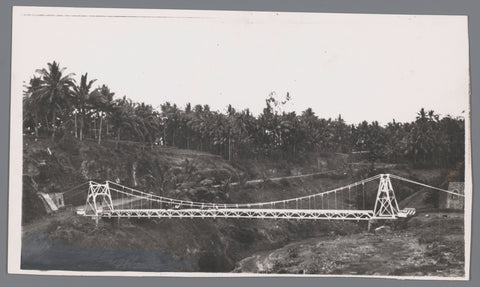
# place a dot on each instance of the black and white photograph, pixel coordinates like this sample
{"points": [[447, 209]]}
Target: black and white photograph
{"points": [[184, 143]]}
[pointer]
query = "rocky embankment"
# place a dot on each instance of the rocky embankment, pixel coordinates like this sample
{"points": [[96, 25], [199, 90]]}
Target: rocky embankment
{"points": [[429, 244]]}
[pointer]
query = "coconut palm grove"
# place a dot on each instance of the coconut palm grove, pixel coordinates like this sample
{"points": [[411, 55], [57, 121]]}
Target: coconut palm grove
{"points": [[57, 105]]}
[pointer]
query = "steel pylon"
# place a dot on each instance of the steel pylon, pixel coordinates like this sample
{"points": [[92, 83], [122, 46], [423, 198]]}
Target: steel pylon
{"points": [[386, 205], [95, 206]]}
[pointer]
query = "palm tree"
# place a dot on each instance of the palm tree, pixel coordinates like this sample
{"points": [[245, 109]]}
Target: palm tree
{"points": [[82, 93], [101, 101], [125, 119], [147, 121], [172, 114], [55, 91], [310, 127], [423, 135], [31, 106]]}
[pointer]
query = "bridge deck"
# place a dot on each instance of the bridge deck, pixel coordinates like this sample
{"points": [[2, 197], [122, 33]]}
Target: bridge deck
{"points": [[241, 213]]}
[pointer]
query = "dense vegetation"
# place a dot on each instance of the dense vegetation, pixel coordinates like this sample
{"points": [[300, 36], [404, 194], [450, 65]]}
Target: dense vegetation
{"points": [[55, 105]]}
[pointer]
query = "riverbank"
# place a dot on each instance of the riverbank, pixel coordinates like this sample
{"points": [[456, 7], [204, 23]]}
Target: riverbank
{"points": [[429, 244]]}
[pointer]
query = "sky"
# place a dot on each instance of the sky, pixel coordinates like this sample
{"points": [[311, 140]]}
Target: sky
{"points": [[364, 67]]}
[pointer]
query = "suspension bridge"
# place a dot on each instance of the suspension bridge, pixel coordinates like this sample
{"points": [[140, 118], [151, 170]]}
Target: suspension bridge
{"points": [[366, 199]]}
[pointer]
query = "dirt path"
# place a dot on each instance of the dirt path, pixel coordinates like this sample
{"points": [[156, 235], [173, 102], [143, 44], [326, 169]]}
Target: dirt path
{"points": [[255, 181]]}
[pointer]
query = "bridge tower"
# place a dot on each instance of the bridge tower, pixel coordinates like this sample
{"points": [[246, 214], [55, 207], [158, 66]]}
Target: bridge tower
{"points": [[386, 205], [94, 205]]}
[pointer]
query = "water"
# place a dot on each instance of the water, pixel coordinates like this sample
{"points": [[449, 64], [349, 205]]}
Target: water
{"points": [[41, 253]]}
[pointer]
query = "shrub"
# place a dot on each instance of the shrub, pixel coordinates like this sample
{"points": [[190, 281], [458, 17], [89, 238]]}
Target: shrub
{"points": [[284, 182]]}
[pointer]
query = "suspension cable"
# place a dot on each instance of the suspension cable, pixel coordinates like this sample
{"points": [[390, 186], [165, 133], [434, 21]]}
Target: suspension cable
{"points": [[363, 193], [75, 187], [426, 185], [162, 199]]}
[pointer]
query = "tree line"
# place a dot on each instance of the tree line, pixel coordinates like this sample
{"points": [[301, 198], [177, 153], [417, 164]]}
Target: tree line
{"points": [[56, 105]]}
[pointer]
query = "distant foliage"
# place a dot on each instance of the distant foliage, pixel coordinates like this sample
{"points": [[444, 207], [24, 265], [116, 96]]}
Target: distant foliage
{"points": [[55, 105]]}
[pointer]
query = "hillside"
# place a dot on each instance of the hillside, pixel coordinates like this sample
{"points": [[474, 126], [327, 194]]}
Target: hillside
{"points": [[192, 244]]}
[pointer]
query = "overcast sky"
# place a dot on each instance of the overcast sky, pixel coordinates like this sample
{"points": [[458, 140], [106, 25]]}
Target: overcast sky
{"points": [[364, 67]]}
